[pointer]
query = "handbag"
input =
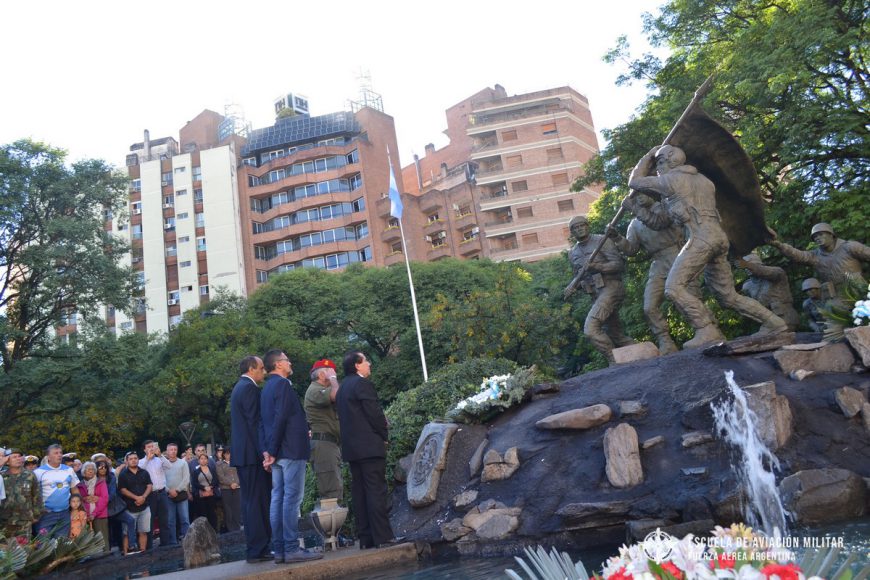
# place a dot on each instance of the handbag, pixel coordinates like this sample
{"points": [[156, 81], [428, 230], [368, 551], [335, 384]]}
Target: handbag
{"points": [[116, 505], [180, 496]]}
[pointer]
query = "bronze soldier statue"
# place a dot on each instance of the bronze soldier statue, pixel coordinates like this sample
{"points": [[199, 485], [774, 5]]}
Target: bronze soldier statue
{"points": [[689, 200], [769, 286], [834, 260], [662, 243], [602, 280], [813, 305]]}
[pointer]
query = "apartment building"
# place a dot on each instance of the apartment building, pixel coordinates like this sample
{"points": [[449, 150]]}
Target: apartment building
{"points": [[309, 187], [183, 223], [501, 187]]}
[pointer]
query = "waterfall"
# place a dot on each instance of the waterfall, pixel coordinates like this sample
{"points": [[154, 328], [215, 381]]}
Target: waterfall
{"points": [[754, 462]]}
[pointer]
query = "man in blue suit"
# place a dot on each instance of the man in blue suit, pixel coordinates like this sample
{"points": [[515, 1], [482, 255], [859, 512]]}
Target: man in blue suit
{"points": [[285, 428], [251, 459]]}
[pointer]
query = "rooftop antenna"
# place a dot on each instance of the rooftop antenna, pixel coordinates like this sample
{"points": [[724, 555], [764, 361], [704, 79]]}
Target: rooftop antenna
{"points": [[367, 96]]}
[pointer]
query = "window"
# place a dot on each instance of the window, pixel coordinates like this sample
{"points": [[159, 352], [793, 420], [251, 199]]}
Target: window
{"points": [[135, 209], [173, 295], [352, 157], [514, 161], [182, 216], [566, 205], [260, 253], [171, 250], [262, 276], [524, 212], [174, 320], [136, 233], [200, 220], [127, 325], [200, 244], [203, 290], [548, 129], [509, 135], [166, 179], [107, 215], [197, 173], [184, 264], [136, 185], [555, 154], [168, 201], [393, 223], [181, 192], [519, 186], [560, 179], [463, 211], [250, 161], [396, 248], [530, 239], [110, 311], [471, 234], [123, 226], [276, 174], [179, 170], [140, 281], [187, 288], [432, 218], [197, 195], [183, 239]]}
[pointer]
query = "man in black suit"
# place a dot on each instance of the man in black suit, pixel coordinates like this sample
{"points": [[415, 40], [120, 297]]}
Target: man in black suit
{"points": [[250, 458], [364, 446]]}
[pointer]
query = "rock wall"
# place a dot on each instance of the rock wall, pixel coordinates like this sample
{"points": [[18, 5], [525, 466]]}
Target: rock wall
{"points": [[661, 465]]}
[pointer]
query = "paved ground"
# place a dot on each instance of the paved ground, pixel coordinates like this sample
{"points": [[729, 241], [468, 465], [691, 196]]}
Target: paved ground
{"points": [[337, 564]]}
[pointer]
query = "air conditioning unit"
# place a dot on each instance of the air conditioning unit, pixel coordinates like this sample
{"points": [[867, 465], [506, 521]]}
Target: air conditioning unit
{"points": [[427, 238], [475, 230], [168, 205], [168, 226], [172, 302], [137, 211], [442, 235], [164, 183], [456, 206]]}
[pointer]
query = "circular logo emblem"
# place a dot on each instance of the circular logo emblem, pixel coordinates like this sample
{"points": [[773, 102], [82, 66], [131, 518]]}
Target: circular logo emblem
{"points": [[658, 545], [426, 456]]}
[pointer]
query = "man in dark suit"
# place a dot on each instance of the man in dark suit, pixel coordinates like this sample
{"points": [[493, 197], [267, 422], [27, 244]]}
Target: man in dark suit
{"points": [[250, 458], [286, 431], [364, 446]]}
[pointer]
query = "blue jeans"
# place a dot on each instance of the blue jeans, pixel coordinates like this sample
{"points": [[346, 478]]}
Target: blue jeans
{"points": [[56, 524], [288, 484], [179, 516]]}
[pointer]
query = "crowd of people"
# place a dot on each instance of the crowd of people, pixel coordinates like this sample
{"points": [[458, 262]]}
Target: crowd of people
{"points": [[256, 483], [147, 495]]}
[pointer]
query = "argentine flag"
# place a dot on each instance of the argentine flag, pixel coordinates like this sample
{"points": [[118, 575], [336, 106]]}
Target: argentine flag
{"points": [[395, 199]]}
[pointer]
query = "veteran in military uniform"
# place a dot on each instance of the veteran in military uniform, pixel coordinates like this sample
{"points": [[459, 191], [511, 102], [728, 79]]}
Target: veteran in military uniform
{"points": [[23, 504], [325, 431]]}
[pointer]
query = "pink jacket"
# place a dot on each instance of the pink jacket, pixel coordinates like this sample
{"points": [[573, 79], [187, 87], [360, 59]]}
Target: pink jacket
{"points": [[102, 493]]}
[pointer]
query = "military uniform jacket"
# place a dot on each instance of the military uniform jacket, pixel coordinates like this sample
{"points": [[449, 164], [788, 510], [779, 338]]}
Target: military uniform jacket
{"points": [[23, 502]]}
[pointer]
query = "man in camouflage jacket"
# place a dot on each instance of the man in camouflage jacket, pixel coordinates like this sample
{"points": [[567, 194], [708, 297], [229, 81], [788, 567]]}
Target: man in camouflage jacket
{"points": [[23, 504]]}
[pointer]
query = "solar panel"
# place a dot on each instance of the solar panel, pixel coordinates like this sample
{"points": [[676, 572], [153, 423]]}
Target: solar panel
{"points": [[292, 130]]}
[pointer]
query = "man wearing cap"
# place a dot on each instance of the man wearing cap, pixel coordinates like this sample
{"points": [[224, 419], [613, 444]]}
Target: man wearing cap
{"points": [[286, 433], [834, 260], [58, 482], [23, 504], [325, 432], [31, 462], [769, 286], [603, 282], [690, 201], [813, 305]]}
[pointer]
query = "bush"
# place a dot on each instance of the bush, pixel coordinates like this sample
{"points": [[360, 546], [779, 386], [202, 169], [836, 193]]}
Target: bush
{"points": [[414, 408]]}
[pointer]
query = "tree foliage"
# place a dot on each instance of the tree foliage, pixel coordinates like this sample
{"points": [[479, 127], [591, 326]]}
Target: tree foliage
{"points": [[55, 255]]}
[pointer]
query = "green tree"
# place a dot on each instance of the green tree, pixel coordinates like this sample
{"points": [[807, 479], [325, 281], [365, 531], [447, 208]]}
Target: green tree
{"points": [[55, 255]]}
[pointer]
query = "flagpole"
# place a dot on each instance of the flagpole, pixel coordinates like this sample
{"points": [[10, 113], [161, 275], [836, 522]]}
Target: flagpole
{"points": [[396, 212], [414, 303]]}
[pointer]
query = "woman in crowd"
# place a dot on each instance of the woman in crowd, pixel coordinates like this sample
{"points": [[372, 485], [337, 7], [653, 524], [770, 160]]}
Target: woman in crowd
{"points": [[230, 496], [95, 494], [206, 490]]}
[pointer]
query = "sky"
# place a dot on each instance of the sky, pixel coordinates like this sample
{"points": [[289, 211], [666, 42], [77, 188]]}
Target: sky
{"points": [[90, 76]]}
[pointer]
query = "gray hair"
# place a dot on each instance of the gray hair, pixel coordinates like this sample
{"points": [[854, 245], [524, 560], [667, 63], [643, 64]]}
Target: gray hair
{"points": [[315, 374], [89, 465], [52, 447]]}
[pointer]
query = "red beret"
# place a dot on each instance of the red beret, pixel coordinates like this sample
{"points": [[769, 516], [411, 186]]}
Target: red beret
{"points": [[323, 364]]}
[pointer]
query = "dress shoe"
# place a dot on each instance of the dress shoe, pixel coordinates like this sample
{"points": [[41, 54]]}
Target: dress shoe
{"points": [[301, 556], [258, 559]]}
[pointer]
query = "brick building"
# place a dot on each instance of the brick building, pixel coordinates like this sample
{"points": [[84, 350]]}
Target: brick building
{"points": [[501, 187]]}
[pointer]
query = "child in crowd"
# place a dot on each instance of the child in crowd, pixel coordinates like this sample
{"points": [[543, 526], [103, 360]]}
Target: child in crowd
{"points": [[78, 517]]}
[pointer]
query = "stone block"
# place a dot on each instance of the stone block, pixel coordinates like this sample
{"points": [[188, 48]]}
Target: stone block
{"points": [[585, 418], [622, 456], [830, 358], [773, 412], [627, 408], [817, 496], [492, 456], [476, 520], [635, 352], [400, 472], [859, 338], [466, 499], [495, 468], [696, 438], [498, 527], [453, 530], [477, 458], [430, 458], [851, 401], [200, 545], [653, 441]]}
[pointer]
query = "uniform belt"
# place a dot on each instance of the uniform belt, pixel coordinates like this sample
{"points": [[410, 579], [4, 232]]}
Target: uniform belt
{"points": [[324, 437]]}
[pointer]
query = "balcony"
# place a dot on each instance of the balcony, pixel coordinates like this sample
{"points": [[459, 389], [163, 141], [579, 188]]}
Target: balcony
{"points": [[508, 247], [470, 246], [394, 258], [464, 220], [434, 226], [501, 221], [436, 252], [391, 233]]}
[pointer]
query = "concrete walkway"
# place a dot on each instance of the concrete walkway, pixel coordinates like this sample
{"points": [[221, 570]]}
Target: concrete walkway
{"points": [[335, 564]]}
